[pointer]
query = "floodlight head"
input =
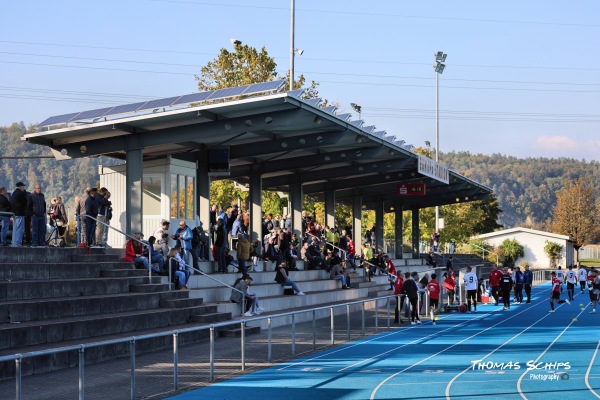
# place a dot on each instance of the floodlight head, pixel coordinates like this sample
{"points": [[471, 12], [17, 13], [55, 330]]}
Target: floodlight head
{"points": [[355, 107], [427, 143], [439, 68], [235, 42], [440, 56], [299, 51]]}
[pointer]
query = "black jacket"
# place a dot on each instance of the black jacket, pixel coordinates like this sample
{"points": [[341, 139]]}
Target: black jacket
{"points": [[4, 205], [18, 202], [91, 207], [410, 289]]}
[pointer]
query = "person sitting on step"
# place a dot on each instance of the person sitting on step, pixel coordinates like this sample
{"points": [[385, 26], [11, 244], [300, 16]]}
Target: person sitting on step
{"points": [[282, 277], [240, 293], [179, 272]]}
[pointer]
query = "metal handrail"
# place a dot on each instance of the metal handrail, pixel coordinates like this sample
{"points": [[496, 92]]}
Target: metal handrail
{"points": [[18, 358], [7, 213], [484, 250]]}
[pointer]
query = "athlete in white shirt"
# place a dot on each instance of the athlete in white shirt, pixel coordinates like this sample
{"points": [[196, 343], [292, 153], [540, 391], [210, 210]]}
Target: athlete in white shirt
{"points": [[571, 279], [471, 283], [583, 275]]}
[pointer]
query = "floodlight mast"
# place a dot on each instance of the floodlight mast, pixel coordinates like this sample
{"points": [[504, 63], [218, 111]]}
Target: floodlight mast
{"points": [[292, 47], [438, 67], [356, 108]]}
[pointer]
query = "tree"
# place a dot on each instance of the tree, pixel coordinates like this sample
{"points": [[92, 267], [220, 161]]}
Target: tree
{"points": [[510, 251], [554, 252], [244, 66], [576, 212]]}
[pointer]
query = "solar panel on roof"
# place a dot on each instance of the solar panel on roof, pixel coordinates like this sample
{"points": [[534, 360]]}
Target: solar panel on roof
{"points": [[330, 109], [125, 108], [92, 113], [192, 98], [159, 103], [227, 92], [369, 128], [295, 93], [358, 123], [264, 87], [344, 117], [380, 133], [314, 102], [58, 119]]}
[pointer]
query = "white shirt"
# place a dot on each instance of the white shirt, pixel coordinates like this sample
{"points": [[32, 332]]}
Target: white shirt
{"points": [[571, 276], [560, 274], [583, 274], [470, 281]]}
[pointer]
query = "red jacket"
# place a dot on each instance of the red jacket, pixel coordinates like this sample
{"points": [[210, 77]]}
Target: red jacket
{"points": [[131, 250], [495, 276], [450, 282], [398, 285]]}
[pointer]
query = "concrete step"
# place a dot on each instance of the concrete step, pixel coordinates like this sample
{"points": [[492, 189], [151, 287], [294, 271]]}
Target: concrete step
{"points": [[237, 331], [13, 271], [121, 273], [39, 289], [210, 318], [66, 307], [153, 287], [181, 302], [27, 255], [82, 327], [89, 258]]}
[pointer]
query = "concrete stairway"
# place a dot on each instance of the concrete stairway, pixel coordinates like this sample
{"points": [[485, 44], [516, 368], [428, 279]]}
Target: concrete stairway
{"points": [[78, 297]]}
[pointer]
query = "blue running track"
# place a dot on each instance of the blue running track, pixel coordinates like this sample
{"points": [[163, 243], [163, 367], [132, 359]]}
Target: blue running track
{"points": [[521, 353]]}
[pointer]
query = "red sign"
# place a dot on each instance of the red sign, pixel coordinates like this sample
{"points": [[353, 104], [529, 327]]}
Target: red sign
{"points": [[411, 189]]}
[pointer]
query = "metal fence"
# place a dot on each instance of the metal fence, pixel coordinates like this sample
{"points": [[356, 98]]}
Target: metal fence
{"points": [[143, 374]]}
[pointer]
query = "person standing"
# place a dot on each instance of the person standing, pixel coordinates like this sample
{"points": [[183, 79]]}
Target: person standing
{"points": [[161, 240], [91, 211], [594, 290], [398, 284], [519, 282], [471, 283], [220, 244], [37, 208], [411, 290], [571, 279], [18, 206], [183, 235], [103, 205], [506, 284], [561, 276], [555, 292], [449, 284], [583, 275], [527, 282], [4, 218], [495, 276], [80, 212]]}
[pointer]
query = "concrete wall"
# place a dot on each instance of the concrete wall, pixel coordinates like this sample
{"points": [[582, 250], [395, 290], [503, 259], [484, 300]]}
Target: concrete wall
{"points": [[533, 247]]}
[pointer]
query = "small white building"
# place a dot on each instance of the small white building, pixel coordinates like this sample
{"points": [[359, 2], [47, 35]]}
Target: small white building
{"points": [[533, 243], [168, 192]]}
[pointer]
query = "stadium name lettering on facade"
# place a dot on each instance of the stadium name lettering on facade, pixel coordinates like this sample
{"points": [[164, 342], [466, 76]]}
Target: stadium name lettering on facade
{"points": [[433, 169]]}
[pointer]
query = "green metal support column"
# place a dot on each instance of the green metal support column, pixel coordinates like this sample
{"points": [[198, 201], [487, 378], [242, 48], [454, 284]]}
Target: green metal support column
{"points": [[416, 235], [134, 172], [398, 228]]}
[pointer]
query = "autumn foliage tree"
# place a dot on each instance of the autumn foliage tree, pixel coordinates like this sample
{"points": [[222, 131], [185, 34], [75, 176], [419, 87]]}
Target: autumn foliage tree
{"points": [[576, 212]]}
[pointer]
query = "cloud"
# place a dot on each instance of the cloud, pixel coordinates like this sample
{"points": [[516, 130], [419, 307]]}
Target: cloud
{"points": [[555, 143]]}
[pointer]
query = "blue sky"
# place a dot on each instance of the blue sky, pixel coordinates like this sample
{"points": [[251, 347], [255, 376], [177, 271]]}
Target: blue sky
{"points": [[521, 76]]}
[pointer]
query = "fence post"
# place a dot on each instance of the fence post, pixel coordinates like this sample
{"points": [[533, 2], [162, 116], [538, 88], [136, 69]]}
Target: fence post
{"points": [[175, 360], [243, 343], [348, 320], [81, 373], [314, 324], [212, 354], [132, 366], [332, 327], [18, 376], [293, 334], [270, 340]]}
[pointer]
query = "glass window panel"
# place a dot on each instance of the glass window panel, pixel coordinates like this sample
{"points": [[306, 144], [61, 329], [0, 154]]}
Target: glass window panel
{"points": [[173, 196], [190, 198], [181, 197], [151, 195]]}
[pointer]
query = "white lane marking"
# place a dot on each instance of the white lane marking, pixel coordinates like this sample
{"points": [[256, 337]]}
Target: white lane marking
{"points": [[447, 393], [587, 374], [376, 338], [374, 392], [544, 352]]}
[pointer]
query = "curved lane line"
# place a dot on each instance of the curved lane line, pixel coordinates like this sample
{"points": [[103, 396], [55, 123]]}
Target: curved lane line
{"points": [[374, 392], [587, 374], [544, 352]]}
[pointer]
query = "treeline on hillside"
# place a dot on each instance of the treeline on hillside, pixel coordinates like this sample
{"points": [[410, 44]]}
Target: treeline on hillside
{"points": [[525, 188], [58, 178]]}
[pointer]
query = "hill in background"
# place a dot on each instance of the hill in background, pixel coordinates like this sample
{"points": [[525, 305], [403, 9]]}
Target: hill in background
{"points": [[525, 188]]}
